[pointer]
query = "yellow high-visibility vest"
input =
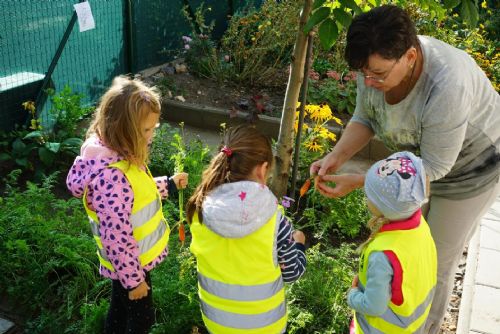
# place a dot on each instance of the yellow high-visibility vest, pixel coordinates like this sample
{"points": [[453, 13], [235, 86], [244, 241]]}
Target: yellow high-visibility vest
{"points": [[416, 252], [239, 280], [150, 229]]}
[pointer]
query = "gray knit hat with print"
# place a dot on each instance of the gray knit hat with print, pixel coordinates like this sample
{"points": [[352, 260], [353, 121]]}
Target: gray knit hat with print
{"points": [[396, 185]]}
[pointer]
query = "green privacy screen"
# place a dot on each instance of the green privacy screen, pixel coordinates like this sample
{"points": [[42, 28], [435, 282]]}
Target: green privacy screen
{"points": [[130, 35]]}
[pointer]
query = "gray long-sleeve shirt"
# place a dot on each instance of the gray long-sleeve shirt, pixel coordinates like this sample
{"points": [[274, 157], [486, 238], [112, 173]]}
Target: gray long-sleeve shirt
{"points": [[451, 118]]}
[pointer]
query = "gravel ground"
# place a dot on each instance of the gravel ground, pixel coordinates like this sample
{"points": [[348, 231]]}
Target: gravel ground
{"points": [[451, 318]]}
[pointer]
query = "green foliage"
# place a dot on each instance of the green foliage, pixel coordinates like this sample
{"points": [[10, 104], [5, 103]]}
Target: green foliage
{"points": [[334, 16], [48, 261], [317, 301], [258, 44], [164, 150], [345, 216], [176, 292], [322, 65], [67, 112], [338, 90], [40, 151]]}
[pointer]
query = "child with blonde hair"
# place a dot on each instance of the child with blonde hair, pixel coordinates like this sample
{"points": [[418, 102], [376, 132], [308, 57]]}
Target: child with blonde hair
{"points": [[123, 200], [393, 290], [244, 246]]}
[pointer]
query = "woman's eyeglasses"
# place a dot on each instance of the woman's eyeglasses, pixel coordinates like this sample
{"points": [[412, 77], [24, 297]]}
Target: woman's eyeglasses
{"points": [[380, 79]]}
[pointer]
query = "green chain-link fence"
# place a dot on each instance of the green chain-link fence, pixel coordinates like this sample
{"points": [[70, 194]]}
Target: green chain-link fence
{"points": [[130, 35]]}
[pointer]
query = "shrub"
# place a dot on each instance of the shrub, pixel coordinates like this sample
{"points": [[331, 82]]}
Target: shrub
{"points": [[259, 43], [343, 217], [317, 302]]}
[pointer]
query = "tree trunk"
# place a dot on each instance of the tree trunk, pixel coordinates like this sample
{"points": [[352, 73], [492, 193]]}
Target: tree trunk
{"points": [[284, 146]]}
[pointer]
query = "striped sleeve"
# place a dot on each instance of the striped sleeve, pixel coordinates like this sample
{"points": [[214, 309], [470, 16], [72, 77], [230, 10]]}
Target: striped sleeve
{"points": [[291, 254]]}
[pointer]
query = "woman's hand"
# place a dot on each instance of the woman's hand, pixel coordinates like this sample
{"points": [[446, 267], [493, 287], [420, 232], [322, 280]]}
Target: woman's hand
{"points": [[328, 164], [180, 180], [344, 184], [139, 292]]}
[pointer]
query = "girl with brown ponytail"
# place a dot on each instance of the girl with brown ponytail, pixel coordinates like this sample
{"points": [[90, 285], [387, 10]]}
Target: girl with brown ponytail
{"points": [[244, 245]]}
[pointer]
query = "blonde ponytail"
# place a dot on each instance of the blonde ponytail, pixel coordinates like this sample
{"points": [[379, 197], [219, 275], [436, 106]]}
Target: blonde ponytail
{"points": [[374, 224]]}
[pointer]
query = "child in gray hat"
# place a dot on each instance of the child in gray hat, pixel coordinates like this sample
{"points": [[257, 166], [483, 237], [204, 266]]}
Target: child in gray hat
{"points": [[393, 290]]}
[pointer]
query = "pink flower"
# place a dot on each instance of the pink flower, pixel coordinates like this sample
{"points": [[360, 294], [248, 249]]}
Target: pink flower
{"points": [[333, 74], [226, 58], [186, 39], [187, 47], [313, 75]]}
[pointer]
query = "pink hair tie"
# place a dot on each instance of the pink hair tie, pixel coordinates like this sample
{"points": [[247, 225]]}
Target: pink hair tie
{"points": [[227, 151]]}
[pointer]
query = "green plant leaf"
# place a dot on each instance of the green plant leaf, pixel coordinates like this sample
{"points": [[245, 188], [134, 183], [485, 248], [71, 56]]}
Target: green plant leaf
{"points": [[318, 3], [18, 147], [4, 156], [469, 13], [342, 17], [74, 142], [23, 162], [328, 33], [53, 147], [33, 134], [448, 4], [46, 156], [352, 5], [317, 17]]}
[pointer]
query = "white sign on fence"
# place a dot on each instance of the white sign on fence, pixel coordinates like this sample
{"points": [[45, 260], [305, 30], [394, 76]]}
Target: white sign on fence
{"points": [[84, 14]]}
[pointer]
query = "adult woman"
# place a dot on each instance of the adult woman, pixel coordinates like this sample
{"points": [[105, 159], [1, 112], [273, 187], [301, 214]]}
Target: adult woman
{"points": [[422, 95]]}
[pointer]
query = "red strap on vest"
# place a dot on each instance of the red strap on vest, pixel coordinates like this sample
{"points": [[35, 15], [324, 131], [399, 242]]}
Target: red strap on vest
{"points": [[397, 280]]}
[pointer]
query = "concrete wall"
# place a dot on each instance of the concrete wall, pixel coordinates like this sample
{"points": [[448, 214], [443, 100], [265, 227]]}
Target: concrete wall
{"points": [[210, 118]]}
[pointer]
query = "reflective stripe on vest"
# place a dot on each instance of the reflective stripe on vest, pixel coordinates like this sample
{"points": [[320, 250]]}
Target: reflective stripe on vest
{"points": [[398, 320], [416, 252], [244, 321], [240, 292], [150, 228], [239, 295]]}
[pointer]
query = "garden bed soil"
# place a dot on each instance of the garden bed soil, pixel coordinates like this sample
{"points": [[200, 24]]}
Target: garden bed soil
{"points": [[188, 88]]}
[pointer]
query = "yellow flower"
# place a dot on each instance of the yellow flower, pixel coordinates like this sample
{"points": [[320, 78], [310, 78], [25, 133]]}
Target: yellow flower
{"points": [[296, 126], [313, 146], [484, 4], [320, 113], [34, 124], [337, 120], [30, 106]]}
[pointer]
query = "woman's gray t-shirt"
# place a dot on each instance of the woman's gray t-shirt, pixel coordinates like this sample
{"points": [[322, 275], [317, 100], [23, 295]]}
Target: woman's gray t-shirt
{"points": [[451, 118]]}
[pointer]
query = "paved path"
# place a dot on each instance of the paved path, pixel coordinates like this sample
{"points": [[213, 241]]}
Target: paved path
{"points": [[480, 304]]}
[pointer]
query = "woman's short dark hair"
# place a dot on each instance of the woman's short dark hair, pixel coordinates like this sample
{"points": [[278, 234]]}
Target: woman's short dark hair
{"points": [[386, 30]]}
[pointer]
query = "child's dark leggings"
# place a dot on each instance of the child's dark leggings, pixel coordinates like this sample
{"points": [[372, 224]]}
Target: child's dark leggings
{"points": [[127, 316]]}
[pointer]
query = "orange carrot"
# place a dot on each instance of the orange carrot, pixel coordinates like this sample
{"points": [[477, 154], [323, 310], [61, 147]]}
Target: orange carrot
{"points": [[182, 233], [305, 187]]}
